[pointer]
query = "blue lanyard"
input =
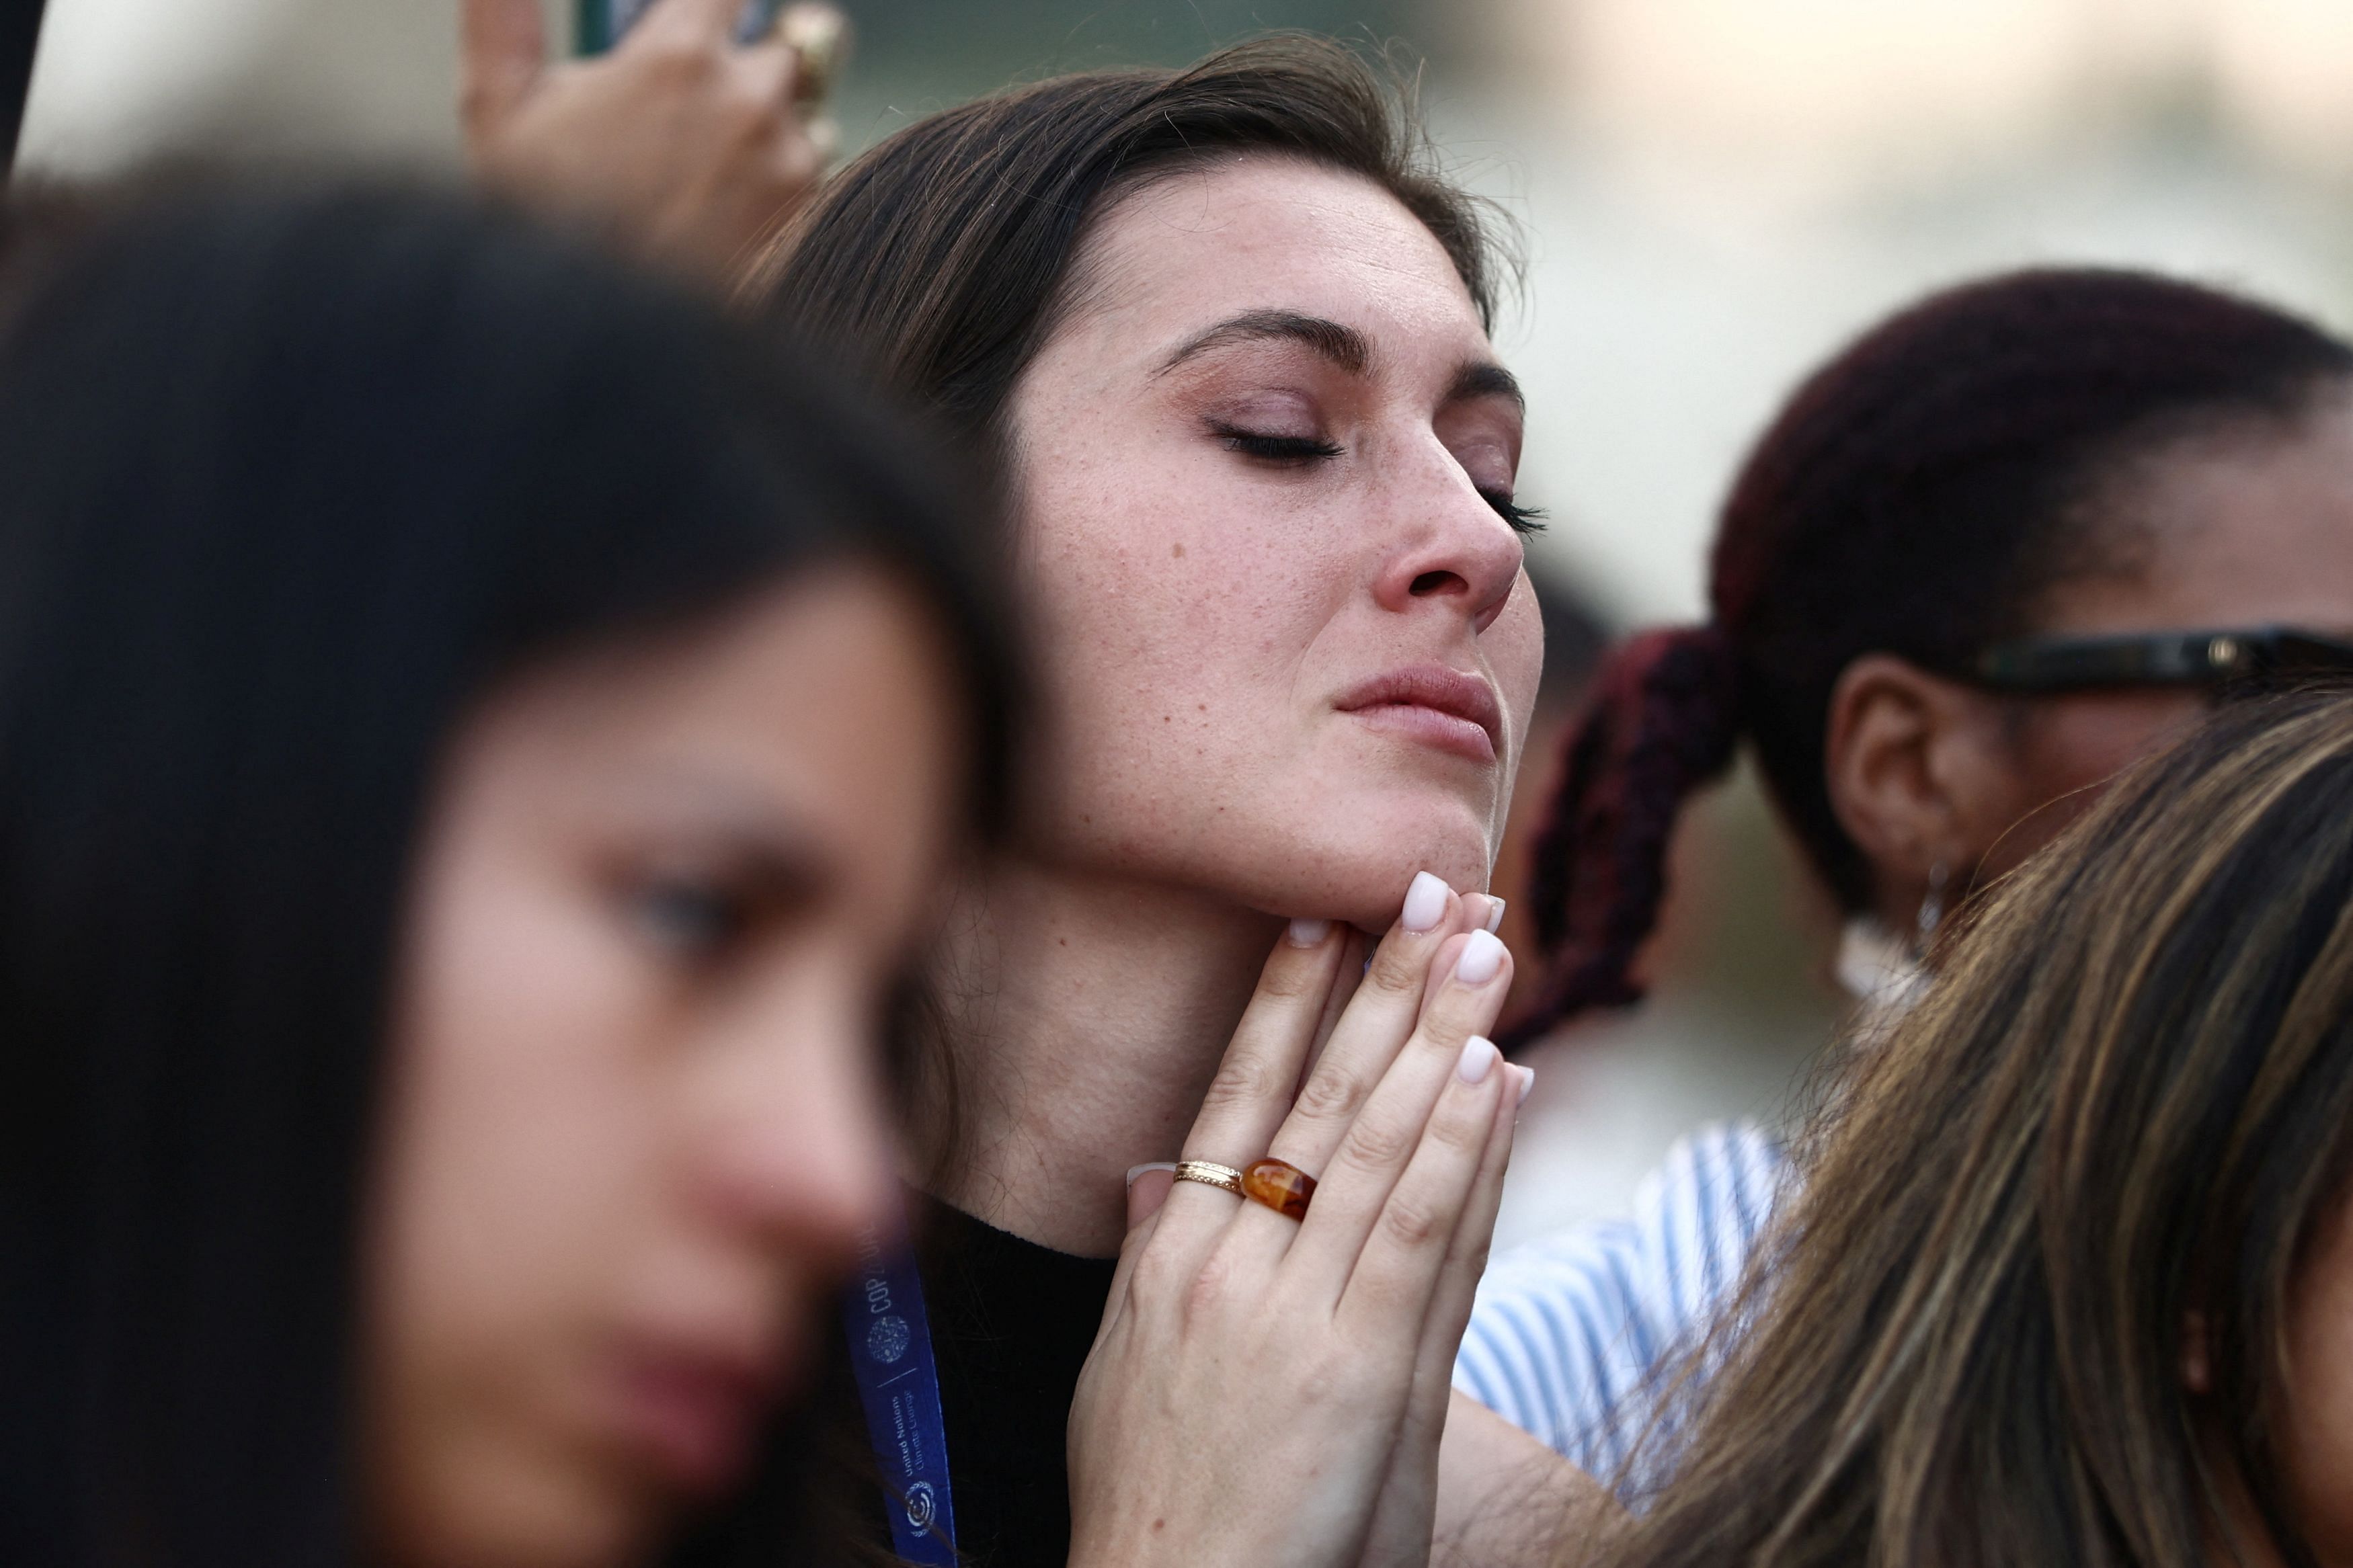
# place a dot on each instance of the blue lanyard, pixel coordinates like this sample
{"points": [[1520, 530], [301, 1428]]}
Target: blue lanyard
{"points": [[899, 1384]]}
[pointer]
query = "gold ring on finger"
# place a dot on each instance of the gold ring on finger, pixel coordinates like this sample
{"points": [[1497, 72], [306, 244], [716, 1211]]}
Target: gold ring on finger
{"points": [[1211, 1174], [818, 37]]}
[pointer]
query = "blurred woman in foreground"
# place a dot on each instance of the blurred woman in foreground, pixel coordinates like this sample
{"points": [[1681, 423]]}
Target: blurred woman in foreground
{"points": [[475, 744], [2071, 1281]]}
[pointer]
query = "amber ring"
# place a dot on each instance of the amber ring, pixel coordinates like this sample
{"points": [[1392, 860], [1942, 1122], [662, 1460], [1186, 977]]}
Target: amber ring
{"points": [[1211, 1174], [1281, 1186]]}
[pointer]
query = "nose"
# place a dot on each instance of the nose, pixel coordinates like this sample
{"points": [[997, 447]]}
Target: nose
{"points": [[1451, 548], [801, 1156]]}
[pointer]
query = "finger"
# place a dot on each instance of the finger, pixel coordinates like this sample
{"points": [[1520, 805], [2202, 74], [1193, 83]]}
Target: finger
{"points": [[1373, 1027], [1253, 1089], [1429, 1399], [1484, 911], [1131, 1249], [503, 47], [824, 138], [1397, 1268], [770, 73], [685, 24], [1147, 1189], [1466, 1253], [1343, 991], [1447, 1043], [1245, 1100]]}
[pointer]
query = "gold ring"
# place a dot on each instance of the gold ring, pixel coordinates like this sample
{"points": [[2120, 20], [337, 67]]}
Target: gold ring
{"points": [[1209, 1175], [819, 36]]}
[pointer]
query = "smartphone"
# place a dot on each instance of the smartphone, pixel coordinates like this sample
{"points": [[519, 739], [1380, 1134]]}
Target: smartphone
{"points": [[604, 23]]}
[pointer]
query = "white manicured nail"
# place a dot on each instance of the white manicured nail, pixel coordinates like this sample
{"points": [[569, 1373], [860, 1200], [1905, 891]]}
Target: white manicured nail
{"points": [[1527, 1080], [1425, 902], [1309, 933], [1494, 914], [1482, 956], [1479, 1059], [1135, 1170]]}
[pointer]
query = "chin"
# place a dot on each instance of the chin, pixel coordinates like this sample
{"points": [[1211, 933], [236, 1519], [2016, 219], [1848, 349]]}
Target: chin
{"points": [[1354, 858], [557, 1521]]}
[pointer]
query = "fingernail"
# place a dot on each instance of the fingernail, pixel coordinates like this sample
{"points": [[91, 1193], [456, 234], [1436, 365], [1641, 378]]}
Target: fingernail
{"points": [[1135, 1170], [1309, 933], [1494, 914], [1482, 956], [1147, 1189], [1479, 1058], [1527, 1080], [1425, 902]]}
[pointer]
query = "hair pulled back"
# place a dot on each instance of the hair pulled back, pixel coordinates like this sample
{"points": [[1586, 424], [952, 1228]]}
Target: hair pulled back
{"points": [[1914, 496], [941, 255]]}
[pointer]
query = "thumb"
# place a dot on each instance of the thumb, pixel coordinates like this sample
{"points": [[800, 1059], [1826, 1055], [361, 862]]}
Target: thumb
{"points": [[1147, 1189], [505, 48]]}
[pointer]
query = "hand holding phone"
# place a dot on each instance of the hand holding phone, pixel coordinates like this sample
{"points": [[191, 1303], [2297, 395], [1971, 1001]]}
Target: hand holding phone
{"points": [[604, 23], [686, 144]]}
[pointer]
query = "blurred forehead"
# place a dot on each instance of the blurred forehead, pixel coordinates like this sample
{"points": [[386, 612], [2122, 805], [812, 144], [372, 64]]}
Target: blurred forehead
{"points": [[1261, 231], [2247, 523]]}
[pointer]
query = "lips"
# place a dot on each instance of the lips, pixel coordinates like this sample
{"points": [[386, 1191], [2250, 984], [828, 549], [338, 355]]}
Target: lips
{"points": [[1435, 705], [692, 1411]]}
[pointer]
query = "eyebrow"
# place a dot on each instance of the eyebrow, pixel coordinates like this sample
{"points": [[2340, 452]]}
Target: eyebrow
{"points": [[1484, 378], [1342, 345]]}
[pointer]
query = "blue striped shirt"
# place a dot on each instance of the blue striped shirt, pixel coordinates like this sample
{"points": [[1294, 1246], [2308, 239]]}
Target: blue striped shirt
{"points": [[1569, 1329]]}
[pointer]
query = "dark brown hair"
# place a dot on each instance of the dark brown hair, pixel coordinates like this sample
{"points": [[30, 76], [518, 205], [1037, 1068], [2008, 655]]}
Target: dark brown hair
{"points": [[1915, 496], [942, 254], [2118, 1121]]}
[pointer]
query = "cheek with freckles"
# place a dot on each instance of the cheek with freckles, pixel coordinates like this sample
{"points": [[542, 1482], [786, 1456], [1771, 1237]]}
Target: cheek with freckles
{"points": [[1177, 650]]}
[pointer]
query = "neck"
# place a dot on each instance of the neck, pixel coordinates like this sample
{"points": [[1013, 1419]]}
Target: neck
{"points": [[1082, 1019]]}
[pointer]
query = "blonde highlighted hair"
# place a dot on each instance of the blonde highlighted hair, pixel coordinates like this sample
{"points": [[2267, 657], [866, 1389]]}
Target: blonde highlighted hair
{"points": [[2108, 1138]]}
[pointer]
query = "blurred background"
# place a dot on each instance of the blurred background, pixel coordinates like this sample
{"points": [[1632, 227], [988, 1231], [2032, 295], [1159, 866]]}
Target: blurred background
{"points": [[1713, 194]]}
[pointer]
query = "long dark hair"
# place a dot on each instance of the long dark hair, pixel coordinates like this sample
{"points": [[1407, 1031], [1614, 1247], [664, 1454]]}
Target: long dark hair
{"points": [[1915, 496], [291, 480], [941, 255], [2108, 1138]]}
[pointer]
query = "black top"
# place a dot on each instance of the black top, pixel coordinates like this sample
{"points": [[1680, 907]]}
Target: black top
{"points": [[1011, 1325]]}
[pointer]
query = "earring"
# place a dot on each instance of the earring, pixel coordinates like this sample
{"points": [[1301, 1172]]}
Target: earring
{"points": [[1932, 908]]}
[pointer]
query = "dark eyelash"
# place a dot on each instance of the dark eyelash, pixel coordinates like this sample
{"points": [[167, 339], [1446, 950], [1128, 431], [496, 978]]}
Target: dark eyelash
{"points": [[1275, 448], [1523, 519]]}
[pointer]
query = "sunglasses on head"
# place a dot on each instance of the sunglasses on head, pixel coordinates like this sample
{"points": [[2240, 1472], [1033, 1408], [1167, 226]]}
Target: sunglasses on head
{"points": [[2257, 657]]}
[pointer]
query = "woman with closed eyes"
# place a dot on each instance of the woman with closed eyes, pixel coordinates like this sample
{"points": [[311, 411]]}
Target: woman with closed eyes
{"points": [[1229, 334]]}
